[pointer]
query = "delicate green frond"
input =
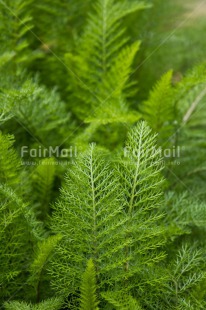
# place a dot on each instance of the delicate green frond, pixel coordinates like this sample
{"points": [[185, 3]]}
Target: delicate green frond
{"points": [[114, 108], [185, 212], [111, 217], [88, 298], [185, 275], [50, 304], [158, 110], [15, 23], [120, 301], [88, 218], [103, 33], [103, 62], [9, 161], [42, 255], [18, 232], [43, 179], [38, 111], [17, 305], [141, 181], [9, 217], [195, 77], [117, 77], [113, 114], [190, 133]]}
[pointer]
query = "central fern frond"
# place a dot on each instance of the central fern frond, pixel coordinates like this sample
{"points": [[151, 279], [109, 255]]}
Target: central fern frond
{"points": [[110, 215], [86, 217]]}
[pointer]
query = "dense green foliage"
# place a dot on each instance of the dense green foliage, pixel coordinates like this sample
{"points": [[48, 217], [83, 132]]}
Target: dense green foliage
{"points": [[102, 155]]}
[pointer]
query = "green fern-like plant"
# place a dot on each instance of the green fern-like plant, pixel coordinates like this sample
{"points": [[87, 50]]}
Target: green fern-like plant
{"points": [[185, 275], [15, 26], [158, 110], [19, 232], [50, 304], [43, 179], [118, 236], [37, 269], [90, 188], [171, 101], [88, 288], [179, 120], [121, 302], [102, 65], [28, 102], [9, 161], [100, 48], [141, 177], [100, 214], [19, 228]]}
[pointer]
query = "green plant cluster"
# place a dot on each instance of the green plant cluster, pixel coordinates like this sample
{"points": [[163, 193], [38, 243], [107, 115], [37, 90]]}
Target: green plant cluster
{"points": [[118, 221]]}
